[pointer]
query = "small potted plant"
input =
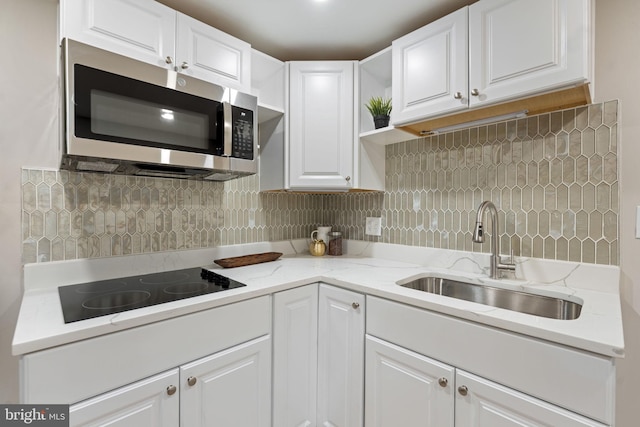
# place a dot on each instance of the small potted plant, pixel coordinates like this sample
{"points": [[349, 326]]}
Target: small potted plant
{"points": [[380, 109]]}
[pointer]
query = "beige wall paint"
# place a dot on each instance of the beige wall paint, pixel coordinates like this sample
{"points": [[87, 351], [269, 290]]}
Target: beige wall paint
{"points": [[616, 76], [28, 136]]}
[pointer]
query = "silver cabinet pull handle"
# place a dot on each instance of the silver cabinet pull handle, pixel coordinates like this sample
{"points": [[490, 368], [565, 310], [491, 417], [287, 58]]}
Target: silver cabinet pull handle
{"points": [[463, 390], [355, 305], [475, 92], [192, 381], [184, 66], [169, 60], [443, 382], [457, 95], [171, 390]]}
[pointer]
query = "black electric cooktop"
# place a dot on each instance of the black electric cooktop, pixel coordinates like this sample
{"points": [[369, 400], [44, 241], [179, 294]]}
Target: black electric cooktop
{"points": [[94, 299]]}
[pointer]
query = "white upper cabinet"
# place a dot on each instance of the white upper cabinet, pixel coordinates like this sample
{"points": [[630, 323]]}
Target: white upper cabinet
{"points": [[522, 47], [321, 125], [491, 52], [141, 29], [151, 32], [430, 69], [268, 84], [209, 54]]}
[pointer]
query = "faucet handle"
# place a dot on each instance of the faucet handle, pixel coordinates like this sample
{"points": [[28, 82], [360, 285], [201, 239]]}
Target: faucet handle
{"points": [[506, 267], [508, 263]]}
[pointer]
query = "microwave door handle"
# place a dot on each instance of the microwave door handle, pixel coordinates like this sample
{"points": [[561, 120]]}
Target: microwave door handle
{"points": [[228, 129]]}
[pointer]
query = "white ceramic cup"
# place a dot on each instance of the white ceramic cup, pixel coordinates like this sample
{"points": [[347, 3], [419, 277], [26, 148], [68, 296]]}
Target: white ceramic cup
{"points": [[322, 233]]}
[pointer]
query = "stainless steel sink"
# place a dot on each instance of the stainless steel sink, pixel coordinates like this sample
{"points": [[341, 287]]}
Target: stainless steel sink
{"points": [[523, 302]]}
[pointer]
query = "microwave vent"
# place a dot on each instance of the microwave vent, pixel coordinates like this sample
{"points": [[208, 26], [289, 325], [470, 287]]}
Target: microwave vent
{"points": [[96, 166], [220, 176]]}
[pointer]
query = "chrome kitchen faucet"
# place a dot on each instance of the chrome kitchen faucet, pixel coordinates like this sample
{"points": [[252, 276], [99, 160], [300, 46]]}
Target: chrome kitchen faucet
{"points": [[478, 237]]}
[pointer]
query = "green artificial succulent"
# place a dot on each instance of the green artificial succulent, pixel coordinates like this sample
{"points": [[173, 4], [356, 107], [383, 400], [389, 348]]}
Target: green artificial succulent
{"points": [[379, 106]]}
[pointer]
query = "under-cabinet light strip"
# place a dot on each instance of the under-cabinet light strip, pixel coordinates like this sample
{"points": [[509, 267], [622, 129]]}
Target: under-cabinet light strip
{"points": [[474, 123]]}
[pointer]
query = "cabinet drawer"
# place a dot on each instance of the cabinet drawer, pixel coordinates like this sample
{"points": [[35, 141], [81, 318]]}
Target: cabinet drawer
{"points": [[79, 370], [576, 380]]}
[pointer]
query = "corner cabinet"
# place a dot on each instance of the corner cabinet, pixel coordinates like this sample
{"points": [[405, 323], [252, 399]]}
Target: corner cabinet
{"points": [[492, 52], [154, 33], [321, 135], [318, 372]]}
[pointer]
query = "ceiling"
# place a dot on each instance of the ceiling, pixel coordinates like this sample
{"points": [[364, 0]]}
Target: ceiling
{"points": [[317, 29]]}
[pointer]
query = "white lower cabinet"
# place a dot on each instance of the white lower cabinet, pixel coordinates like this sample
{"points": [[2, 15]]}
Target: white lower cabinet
{"points": [[318, 370], [404, 388], [295, 356], [340, 357], [229, 388], [482, 403], [210, 367], [428, 369], [151, 402]]}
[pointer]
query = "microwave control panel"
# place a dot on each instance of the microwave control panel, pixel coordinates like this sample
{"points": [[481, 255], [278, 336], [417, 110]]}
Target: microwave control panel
{"points": [[242, 136]]}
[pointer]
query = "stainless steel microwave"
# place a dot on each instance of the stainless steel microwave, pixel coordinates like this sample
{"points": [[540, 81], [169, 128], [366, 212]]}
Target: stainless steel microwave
{"points": [[129, 117]]}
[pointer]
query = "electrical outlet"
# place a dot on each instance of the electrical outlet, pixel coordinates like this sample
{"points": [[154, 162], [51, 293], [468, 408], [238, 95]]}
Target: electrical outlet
{"points": [[373, 226]]}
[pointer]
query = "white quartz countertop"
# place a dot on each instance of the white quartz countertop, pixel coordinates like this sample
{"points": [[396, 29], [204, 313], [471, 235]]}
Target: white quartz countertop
{"points": [[373, 270]]}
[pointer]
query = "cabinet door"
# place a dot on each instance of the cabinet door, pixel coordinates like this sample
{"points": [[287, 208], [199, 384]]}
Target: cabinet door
{"points": [[209, 54], [340, 357], [321, 125], [153, 402], [430, 70], [230, 388], [141, 29], [295, 360], [404, 388], [482, 403], [518, 47]]}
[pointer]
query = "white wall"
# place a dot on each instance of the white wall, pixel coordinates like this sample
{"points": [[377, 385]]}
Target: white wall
{"points": [[28, 133], [617, 72]]}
